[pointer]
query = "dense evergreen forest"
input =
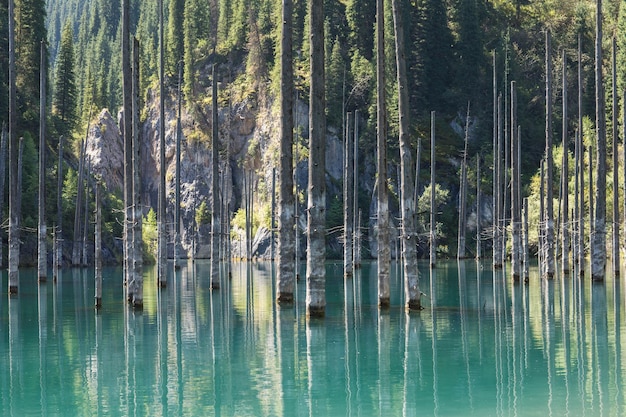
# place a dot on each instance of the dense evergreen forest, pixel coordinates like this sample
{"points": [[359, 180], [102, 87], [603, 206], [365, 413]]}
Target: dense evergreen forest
{"points": [[449, 46]]}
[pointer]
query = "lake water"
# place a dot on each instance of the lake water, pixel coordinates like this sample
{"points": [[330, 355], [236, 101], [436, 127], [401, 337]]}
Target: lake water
{"points": [[482, 347]]}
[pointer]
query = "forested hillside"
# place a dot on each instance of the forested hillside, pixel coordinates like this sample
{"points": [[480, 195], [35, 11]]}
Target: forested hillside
{"points": [[449, 48]]}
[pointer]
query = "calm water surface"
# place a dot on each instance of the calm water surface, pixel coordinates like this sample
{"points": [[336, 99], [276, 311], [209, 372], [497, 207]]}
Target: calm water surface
{"points": [[482, 347]]}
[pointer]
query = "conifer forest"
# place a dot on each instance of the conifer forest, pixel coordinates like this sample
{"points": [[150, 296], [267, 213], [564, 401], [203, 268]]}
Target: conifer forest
{"points": [[138, 132]]}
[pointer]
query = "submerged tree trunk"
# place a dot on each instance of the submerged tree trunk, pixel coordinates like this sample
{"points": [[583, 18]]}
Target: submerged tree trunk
{"points": [[565, 238], [355, 197], [496, 164], [581, 166], [433, 205], [463, 193], [98, 249], [3, 171], [347, 199], [316, 253], [42, 253], [616, 222], [384, 248], [542, 219], [137, 256], [162, 205], [409, 235], [58, 233], [215, 160], [515, 190], [549, 223], [498, 259], [15, 202], [525, 260], [179, 134], [478, 211], [127, 91], [76, 244], [598, 261]]}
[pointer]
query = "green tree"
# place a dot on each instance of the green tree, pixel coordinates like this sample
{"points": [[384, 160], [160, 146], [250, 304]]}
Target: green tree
{"points": [[196, 37], [361, 17], [174, 41], [65, 93]]}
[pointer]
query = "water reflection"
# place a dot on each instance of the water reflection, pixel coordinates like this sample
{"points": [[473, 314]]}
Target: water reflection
{"points": [[483, 346]]}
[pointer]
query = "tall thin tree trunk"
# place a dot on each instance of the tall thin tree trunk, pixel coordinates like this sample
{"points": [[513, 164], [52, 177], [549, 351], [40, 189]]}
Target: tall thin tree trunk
{"points": [[463, 192], [623, 145], [215, 160], [478, 211], [273, 220], [384, 248], [127, 91], [576, 229], [355, 198], [598, 261], [498, 213], [316, 253], [496, 162], [516, 220], [76, 244], [565, 238], [549, 224], [542, 219], [58, 239], [581, 165], [409, 234], [137, 257], [15, 202], [348, 216], [525, 260], [287, 204], [179, 134], [162, 205], [506, 194], [3, 172], [616, 222], [83, 251], [591, 205], [42, 253], [98, 248], [433, 205]]}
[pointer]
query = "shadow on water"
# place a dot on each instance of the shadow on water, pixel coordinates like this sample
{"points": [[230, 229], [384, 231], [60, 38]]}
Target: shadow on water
{"points": [[482, 346]]}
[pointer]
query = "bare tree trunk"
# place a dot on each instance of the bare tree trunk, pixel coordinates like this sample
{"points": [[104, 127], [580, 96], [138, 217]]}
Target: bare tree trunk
{"points": [[85, 218], [348, 216], [624, 145], [3, 171], [616, 222], [15, 202], [58, 239], [542, 219], [409, 235], [433, 205], [516, 220], [565, 238], [127, 91], [496, 162], [42, 253], [598, 261], [581, 165], [316, 253], [549, 224], [498, 213], [179, 134], [478, 211], [576, 229], [98, 248], [384, 248], [137, 220], [525, 260], [162, 205], [355, 198], [215, 221], [460, 254], [76, 244]]}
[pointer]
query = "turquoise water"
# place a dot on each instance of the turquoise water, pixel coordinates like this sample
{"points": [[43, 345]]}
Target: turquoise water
{"points": [[482, 347]]}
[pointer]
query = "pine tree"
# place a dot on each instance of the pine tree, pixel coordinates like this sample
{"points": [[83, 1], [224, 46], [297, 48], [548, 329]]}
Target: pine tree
{"points": [[65, 92], [195, 18], [361, 18], [175, 41]]}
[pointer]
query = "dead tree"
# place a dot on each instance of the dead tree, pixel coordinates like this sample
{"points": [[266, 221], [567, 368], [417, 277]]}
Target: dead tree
{"points": [[515, 191], [316, 253], [162, 204], [348, 194], [98, 248], [384, 248], [463, 192], [215, 160], [42, 253], [598, 260], [409, 234], [615, 253], [565, 238], [137, 247], [433, 205], [549, 221], [15, 198]]}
